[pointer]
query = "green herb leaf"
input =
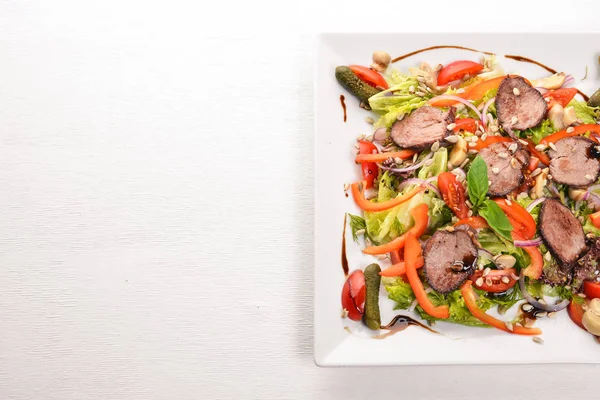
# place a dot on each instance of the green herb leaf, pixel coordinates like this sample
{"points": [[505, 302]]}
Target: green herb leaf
{"points": [[496, 218], [477, 180], [357, 223]]}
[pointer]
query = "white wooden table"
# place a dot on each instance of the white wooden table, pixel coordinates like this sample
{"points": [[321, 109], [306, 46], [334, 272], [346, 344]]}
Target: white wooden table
{"points": [[156, 201]]}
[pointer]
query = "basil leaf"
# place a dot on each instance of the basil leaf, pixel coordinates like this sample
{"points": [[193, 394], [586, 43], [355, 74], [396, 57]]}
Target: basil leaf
{"points": [[477, 180], [496, 218]]}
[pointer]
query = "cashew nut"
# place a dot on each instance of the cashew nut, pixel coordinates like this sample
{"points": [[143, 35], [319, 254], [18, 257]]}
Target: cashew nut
{"points": [[569, 116], [591, 317], [381, 60], [459, 152], [505, 261], [551, 82], [576, 194], [555, 115], [540, 182]]}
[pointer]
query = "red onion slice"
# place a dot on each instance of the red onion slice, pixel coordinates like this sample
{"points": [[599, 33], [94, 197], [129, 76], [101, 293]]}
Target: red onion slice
{"points": [[542, 90], [459, 99], [416, 181], [380, 134], [528, 243], [407, 169], [569, 80], [540, 306], [534, 203], [484, 111]]}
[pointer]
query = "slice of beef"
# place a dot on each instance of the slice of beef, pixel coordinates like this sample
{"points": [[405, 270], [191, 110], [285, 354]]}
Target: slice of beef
{"points": [[422, 128], [587, 267], [519, 109], [449, 259], [505, 168], [572, 162], [562, 233]]}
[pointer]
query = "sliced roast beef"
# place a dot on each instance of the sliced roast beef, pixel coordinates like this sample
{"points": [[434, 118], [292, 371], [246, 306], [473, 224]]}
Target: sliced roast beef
{"points": [[518, 105], [505, 163], [562, 233], [422, 128], [587, 267], [449, 259], [572, 162]]}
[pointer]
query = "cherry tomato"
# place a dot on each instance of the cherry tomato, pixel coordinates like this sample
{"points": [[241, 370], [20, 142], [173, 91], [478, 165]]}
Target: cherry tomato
{"points": [[575, 311], [560, 96], [453, 193], [369, 169], [466, 124], [457, 70], [495, 276], [369, 76], [353, 295], [595, 218], [522, 222], [591, 289], [533, 163]]}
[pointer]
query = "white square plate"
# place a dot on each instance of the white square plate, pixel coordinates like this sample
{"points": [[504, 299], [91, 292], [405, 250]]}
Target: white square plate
{"points": [[564, 342]]}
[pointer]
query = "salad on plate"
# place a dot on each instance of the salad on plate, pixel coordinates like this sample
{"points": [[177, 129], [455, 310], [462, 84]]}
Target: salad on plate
{"points": [[479, 194]]}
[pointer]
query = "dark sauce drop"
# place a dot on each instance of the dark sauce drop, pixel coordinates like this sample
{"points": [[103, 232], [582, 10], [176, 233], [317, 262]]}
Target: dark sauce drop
{"points": [[344, 257], [593, 151], [342, 98], [402, 57], [466, 264], [400, 323]]}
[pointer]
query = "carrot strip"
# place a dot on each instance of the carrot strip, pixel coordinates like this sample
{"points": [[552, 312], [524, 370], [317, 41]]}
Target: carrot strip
{"points": [[400, 268], [421, 217], [471, 303], [412, 252], [379, 157], [367, 205]]}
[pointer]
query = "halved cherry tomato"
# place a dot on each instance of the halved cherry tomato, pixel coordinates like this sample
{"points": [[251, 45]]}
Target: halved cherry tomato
{"points": [[577, 130], [368, 76], [466, 124], [482, 144], [456, 70], [575, 311], [473, 222], [353, 295], [533, 163], [453, 193], [595, 218], [591, 289], [369, 169], [544, 159], [522, 222], [560, 96], [495, 276]]}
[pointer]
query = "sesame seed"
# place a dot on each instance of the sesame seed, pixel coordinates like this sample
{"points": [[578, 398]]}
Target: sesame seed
{"points": [[522, 195], [568, 287], [486, 271], [588, 177], [344, 313], [535, 172], [400, 117], [369, 120], [420, 79], [524, 143], [489, 182], [549, 177], [547, 256], [527, 307], [369, 138], [509, 326], [514, 163], [398, 160], [451, 126], [450, 228], [470, 213], [346, 186], [514, 120], [479, 281], [508, 202], [360, 232], [450, 166], [480, 267], [552, 146], [543, 302], [464, 163], [473, 151], [551, 314], [581, 295], [513, 147], [452, 139], [471, 144], [496, 170], [503, 155], [488, 281], [484, 136], [541, 314], [415, 157], [420, 94], [547, 99], [505, 279], [461, 90], [411, 89], [474, 139], [435, 147], [516, 91], [540, 147], [360, 137], [494, 128], [356, 146], [538, 340], [570, 129], [514, 277], [428, 162]]}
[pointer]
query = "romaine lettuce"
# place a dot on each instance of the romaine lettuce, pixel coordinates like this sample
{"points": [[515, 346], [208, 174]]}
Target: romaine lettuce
{"points": [[587, 114]]}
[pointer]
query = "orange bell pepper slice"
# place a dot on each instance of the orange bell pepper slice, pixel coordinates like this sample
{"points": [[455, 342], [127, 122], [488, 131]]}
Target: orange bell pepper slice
{"points": [[367, 205], [577, 130], [471, 303], [399, 269], [473, 222], [421, 216], [379, 157]]}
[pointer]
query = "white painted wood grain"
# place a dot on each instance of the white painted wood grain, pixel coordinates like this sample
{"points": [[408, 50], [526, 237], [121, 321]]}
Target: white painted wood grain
{"points": [[156, 202]]}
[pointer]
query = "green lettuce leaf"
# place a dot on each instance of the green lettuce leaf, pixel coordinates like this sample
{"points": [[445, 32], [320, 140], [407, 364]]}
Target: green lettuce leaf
{"points": [[496, 218], [440, 164], [587, 114], [497, 245], [537, 133], [400, 292]]}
